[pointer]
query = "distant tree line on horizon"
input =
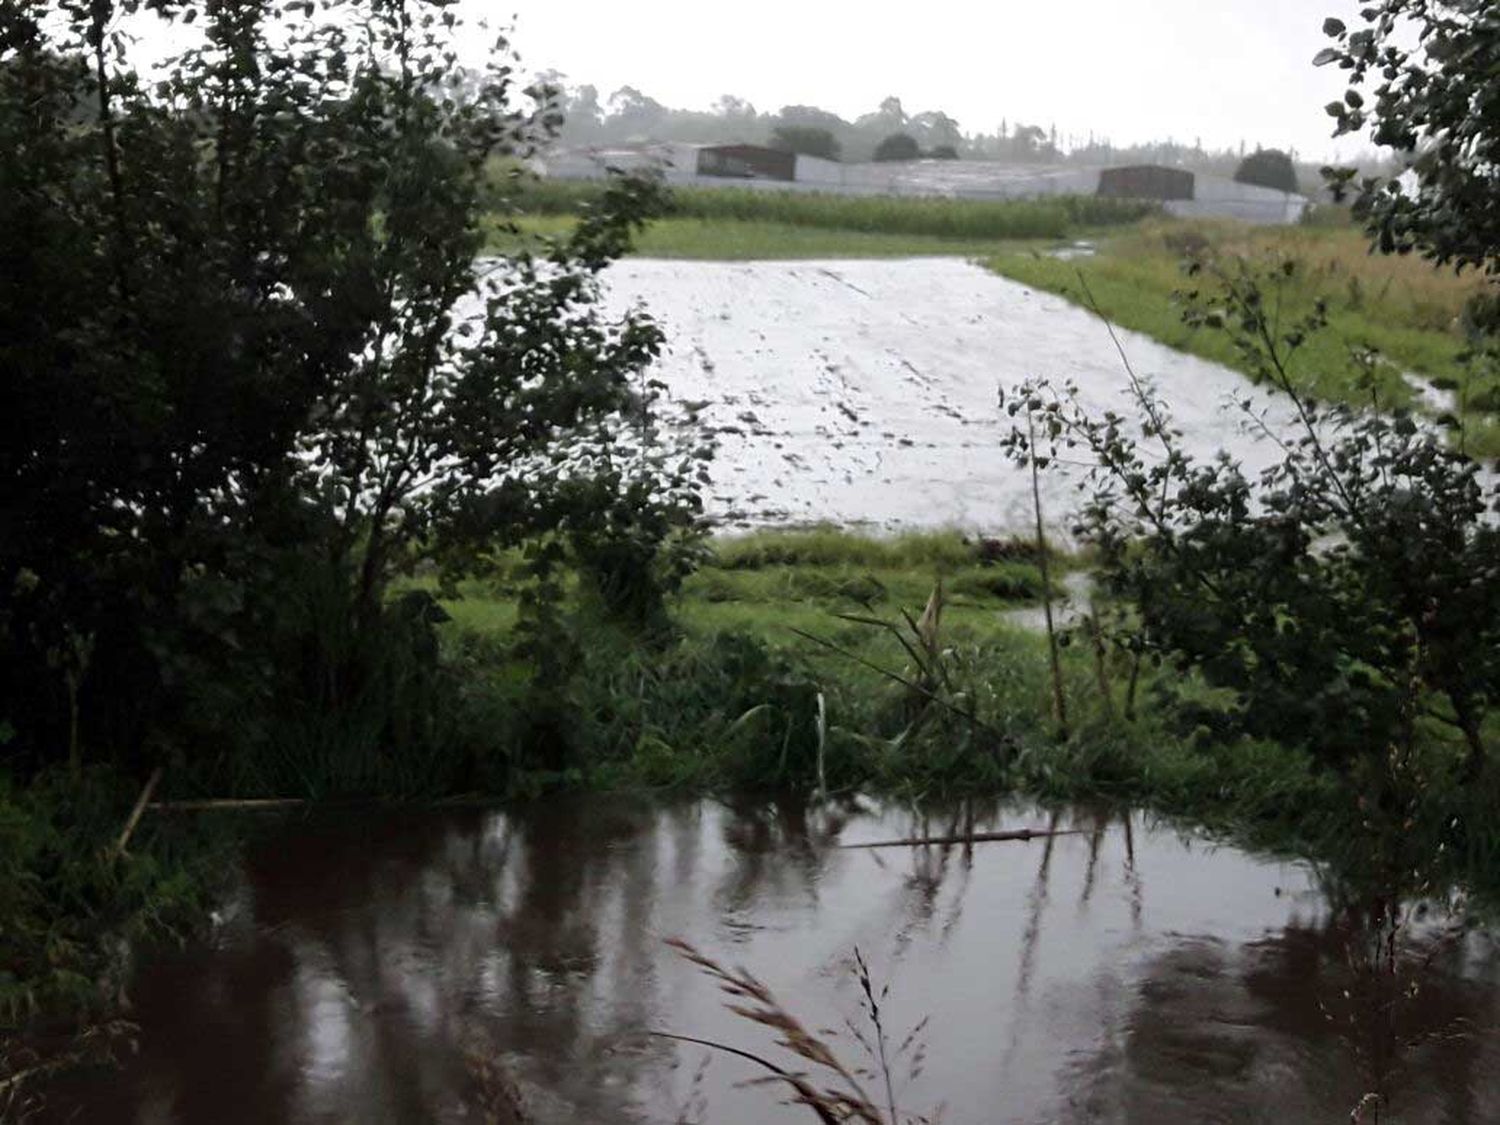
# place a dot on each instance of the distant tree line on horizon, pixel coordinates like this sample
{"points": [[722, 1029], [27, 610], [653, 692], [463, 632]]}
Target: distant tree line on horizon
{"points": [[630, 116]]}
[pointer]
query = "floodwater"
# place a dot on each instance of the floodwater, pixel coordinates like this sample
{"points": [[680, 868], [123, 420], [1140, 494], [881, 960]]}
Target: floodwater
{"points": [[438, 966], [867, 393]]}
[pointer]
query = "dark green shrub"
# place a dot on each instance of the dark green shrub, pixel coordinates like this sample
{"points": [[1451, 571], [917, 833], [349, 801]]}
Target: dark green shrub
{"points": [[808, 140], [898, 146], [1010, 581], [1337, 597], [1268, 167]]}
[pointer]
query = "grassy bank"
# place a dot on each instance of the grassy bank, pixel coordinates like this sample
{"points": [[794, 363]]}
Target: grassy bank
{"points": [[793, 660], [1400, 307], [800, 656], [77, 909]]}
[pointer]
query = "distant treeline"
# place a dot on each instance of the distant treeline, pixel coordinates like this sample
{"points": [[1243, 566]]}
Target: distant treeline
{"points": [[630, 116]]}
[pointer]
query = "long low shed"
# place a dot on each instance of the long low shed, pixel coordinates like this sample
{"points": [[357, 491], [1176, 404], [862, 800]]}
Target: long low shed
{"points": [[1179, 191]]}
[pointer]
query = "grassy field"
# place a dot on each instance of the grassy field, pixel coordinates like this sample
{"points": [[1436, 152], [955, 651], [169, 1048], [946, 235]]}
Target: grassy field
{"points": [[742, 224], [1402, 308], [752, 240], [959, 220], [771, 585]]}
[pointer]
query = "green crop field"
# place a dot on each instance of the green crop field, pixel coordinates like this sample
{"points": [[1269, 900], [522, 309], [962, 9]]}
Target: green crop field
{"points": [[1400, 307]]}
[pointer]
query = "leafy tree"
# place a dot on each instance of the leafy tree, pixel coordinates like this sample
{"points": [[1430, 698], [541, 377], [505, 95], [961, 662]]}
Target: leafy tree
{"points": [[1268, 167], [811, 117], [898, 146], [1422, 81], [583, 113], [734, 110], [935, 129], [807, 140], [636, 115], [944, 152], [1345, 599], [245, 341], [1029, 142], [891, 112]]}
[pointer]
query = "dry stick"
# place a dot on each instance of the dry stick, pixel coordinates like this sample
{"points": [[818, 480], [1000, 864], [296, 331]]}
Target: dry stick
{"points": [[228, 803], [1059, 703], [135, 813], [1101, 672], [1135, 679], [822, 744], [973, 838], [75, 752], [1146, 402]]}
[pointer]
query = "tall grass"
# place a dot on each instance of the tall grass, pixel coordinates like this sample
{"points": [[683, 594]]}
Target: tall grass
{"points": [[76, 909], [826, 546], [818, 1077], [957, 219], [1402, 308]]}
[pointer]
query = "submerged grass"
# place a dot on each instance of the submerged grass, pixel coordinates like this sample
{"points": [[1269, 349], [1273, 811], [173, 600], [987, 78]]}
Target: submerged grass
{"points": [[1401, 307]]}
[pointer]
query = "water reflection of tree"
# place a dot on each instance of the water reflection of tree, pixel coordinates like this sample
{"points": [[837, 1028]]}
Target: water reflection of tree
{"points": [[383, 951], [779, 849], [388, 949], [1300, 1025]]}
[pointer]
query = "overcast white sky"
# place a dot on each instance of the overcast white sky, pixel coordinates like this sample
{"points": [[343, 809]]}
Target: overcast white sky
{"points": [[1219, 70]]}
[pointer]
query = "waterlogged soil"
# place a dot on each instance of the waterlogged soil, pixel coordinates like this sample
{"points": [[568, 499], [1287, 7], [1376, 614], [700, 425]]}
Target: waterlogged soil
{"points": [[454, 965], [868, 393]]}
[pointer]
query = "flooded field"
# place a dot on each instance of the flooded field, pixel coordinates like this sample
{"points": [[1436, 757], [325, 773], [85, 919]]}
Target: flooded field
{"points": [[867, 392], [436, 966]]}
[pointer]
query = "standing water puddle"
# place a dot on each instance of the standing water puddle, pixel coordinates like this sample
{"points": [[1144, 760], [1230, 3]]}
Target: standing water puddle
{"points": [[392, 967], [867, 393]]}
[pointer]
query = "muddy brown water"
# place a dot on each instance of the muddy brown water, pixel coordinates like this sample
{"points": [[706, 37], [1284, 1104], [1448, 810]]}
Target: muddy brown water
{"points": [[392, 968]]}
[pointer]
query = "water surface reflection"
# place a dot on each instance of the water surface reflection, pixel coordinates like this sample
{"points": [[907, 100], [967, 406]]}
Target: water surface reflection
{"points": [[1125, 973]]}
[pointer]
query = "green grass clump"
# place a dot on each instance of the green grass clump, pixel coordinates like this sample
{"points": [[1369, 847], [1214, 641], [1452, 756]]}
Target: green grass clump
{"points": [[72, 904], [826, 546], [730, 697], [1401, 308]]}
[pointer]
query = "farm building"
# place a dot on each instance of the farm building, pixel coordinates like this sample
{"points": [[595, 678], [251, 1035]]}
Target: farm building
{"points": [[1179, 191], [1187, 193], [746, 162], [1146, 181]]}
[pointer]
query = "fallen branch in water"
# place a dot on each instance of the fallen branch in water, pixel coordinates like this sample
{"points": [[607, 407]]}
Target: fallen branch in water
{"points": [[971, 838], [135, 813], [228, 803]]}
